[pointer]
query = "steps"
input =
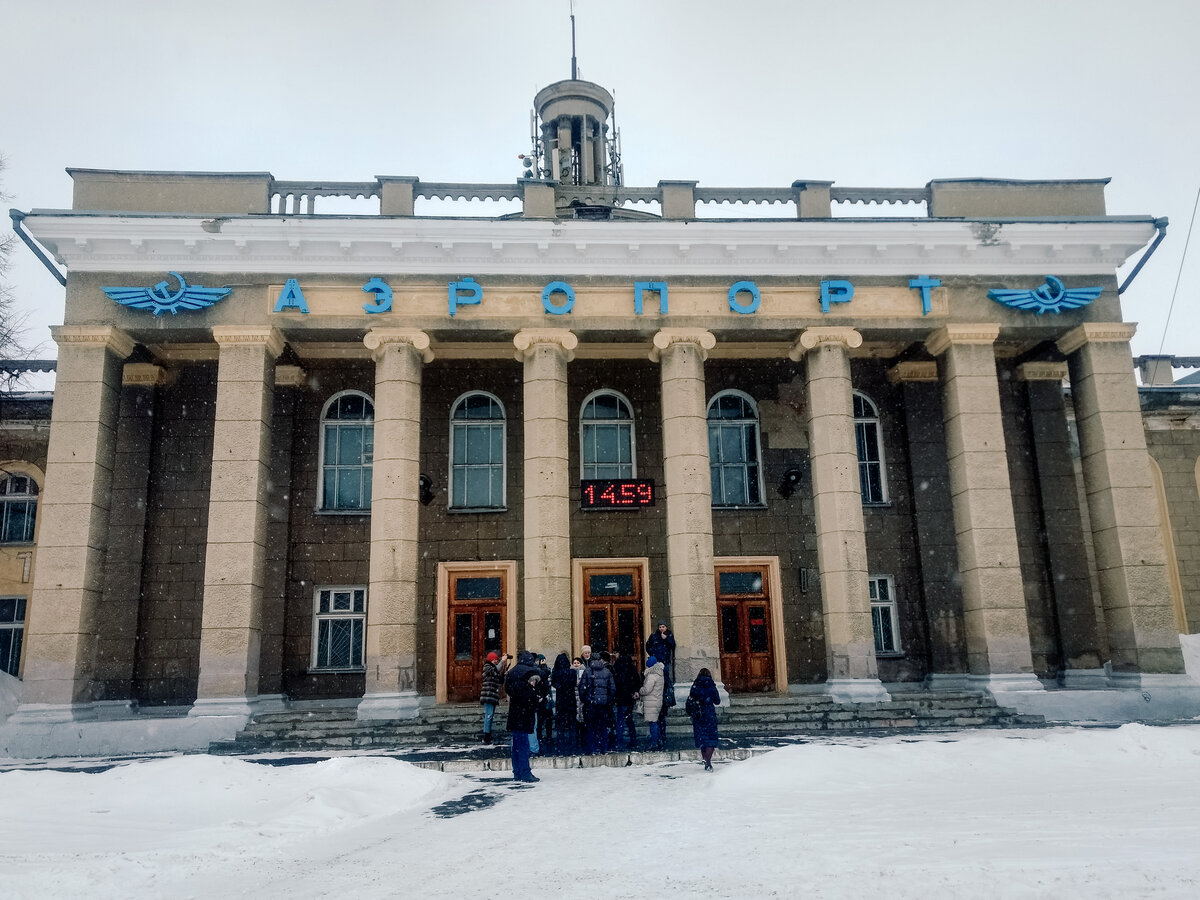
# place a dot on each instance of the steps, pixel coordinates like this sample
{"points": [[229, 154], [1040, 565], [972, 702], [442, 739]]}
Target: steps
{"points": [[313, 726]]}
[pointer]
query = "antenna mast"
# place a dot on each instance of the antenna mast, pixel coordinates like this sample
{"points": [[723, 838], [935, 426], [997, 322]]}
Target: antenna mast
{"points": [[574, 67]]}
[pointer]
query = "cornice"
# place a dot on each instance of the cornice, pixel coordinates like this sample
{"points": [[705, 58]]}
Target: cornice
{"points": [[1042, 371], [913, 371], [232, 335], [113, 339], [143, 375], [946, 336], [651, 249]]}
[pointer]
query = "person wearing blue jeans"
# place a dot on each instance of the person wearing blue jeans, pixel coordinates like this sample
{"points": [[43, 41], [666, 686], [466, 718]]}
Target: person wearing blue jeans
{"points": [[521, 684], [489, 692]]}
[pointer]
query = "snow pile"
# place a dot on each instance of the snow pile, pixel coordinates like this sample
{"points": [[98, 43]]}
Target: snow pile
{"points": [[10, 694], [1062, 812]]}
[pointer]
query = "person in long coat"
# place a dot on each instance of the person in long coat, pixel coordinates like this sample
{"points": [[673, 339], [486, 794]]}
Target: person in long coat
{"points": [[652, 698], [625, 674], [521, 685], [704, 721], [566, 705]]}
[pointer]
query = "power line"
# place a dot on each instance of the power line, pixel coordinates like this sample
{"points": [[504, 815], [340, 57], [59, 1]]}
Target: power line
{"points": [[1179, 275]]}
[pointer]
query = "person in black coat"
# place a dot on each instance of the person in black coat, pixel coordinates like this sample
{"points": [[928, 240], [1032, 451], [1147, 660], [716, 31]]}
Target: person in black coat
{"points": [[704, 699], [597, 690], [521, 684], [545, 728], [628, 682], [565, 681]]}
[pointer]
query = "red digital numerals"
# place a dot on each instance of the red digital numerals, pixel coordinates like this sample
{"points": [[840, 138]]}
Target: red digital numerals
{"points": [[616, 494]]}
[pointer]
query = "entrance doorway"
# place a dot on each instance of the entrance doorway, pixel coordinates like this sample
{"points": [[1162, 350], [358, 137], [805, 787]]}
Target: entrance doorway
{"points": [[613, 601], [744, 628], [476, 623]]}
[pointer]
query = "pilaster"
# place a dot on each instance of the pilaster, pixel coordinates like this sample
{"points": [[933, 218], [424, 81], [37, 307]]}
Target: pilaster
{"points": [[545, 354], [691, 589], [851, 671], [1126, 533], [391, 641], [997, 626]]}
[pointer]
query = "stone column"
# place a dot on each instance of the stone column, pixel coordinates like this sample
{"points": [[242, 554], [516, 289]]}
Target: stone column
{"points": [[119, 605], [60, 631], [997, 625], [235, 558], [691, 591], [1074, 607], [545, 354], [852, 675], [1126, 534], [391, 640]]}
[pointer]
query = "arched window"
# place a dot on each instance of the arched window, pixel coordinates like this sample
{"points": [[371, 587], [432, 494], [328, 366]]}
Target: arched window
{"points": [[477, 453], [18, 509], [347, 451], [733, 450], [606, 437], [872, 475]]}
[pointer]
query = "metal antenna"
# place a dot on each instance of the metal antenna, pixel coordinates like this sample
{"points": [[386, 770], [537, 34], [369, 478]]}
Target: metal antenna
{"points": [[574, 66]]}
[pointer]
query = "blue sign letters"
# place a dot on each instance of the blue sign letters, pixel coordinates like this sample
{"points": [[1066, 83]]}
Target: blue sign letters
{"points": [[383, 291], [464, 293], [747, 287], [640, 286], [924, 284], [558, 287], [291, 297], [835, 292]]}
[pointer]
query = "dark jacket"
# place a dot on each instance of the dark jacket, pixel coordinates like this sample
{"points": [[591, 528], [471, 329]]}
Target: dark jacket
{"points": [[704, 723], [662, 649], [597, 686], [522, 695], [493, 674], [625, 674]]}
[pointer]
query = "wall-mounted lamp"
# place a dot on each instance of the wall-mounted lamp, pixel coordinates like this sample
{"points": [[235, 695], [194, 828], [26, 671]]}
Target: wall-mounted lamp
{"points": [[425, 495], [791, 481]]}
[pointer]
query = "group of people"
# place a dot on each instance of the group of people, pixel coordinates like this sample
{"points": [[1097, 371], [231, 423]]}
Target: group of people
{"points": [[589, 704]]}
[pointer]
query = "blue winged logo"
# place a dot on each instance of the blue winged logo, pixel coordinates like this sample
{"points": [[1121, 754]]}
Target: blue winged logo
{"points": [[160, 299], [1049, 297]]}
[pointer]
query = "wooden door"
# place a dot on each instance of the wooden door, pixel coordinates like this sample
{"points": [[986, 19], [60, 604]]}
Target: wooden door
{"points": [[612, 610], [476, 607], [744, 629]]}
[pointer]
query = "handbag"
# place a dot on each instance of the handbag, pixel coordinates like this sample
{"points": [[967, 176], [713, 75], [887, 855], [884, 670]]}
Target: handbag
{"points": [[692, 707]]}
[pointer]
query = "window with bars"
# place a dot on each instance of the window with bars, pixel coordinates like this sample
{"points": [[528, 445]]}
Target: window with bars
{"points": [[733, 450], [18, 509], [347, 451], [872, 475], [606, 437], [12, 634], [477, 453], [885, 620], [339, 626]]}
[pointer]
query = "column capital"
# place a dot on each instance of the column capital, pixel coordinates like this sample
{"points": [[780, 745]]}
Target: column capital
{"points": [[143, 375], [232, 335], [1042, 371], [290, 376], [114, 339], [527, 338], [913, 371], [377, 340], [939, 342], [665, 337], [1096, 332], [811, 338]]}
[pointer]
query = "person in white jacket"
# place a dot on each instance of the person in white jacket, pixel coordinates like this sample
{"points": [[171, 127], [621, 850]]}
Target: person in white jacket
{"points": [[652, 698]]}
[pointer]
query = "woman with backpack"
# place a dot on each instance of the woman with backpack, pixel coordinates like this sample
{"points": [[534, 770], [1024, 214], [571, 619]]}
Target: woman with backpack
{"points": [[702, 704]]}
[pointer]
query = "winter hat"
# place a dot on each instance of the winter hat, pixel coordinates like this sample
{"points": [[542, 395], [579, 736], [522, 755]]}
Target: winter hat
{"points": [[651, 662], [492, 657]]}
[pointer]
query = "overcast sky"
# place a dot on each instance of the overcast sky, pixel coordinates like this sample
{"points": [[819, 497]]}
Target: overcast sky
{"points": [[752, 93]]}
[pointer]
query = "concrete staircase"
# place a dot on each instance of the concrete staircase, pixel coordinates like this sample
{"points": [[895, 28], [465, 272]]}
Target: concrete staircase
{"points": [[748, 720]]}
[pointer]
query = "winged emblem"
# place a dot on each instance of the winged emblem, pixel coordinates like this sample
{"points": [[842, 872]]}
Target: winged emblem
{"points": [[160, 299], [1049, 297]]}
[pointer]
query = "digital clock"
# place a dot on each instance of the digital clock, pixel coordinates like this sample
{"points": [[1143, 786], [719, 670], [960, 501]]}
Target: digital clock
{"points": [[616, 493]]}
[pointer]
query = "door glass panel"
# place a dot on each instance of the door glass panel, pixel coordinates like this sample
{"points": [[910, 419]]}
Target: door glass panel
{"points": [[477, 589], [740, 583], [462, 635], [758, 628], [730, 642], [627, 632], [491, 632], [619, 585], [598, 630]]}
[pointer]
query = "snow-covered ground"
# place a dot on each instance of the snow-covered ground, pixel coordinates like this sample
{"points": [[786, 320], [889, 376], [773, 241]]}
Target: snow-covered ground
{"points": [[1045, 813]]}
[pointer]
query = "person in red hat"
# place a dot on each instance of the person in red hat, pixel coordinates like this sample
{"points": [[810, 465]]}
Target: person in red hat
{"points": [[489, 693]]}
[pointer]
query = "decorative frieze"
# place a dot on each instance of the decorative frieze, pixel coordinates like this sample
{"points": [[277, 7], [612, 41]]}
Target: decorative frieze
{"points": [[1096, 332], [941, 340]]}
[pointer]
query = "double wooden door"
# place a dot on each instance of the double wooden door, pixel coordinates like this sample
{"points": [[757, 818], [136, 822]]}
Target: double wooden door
{"points": [[477, 608], [744, 628], [612, 610]]}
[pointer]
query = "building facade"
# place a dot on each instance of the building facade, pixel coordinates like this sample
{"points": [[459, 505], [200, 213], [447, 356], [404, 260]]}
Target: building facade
{"points": [[302, 456]]}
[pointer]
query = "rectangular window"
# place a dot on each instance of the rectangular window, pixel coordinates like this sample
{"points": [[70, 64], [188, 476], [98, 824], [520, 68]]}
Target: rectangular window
{"points": [[12, 634], [870, 462], [733, 461], [339, 626], [885, 620], [349, 452], [18, 518], [477, 469]]}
